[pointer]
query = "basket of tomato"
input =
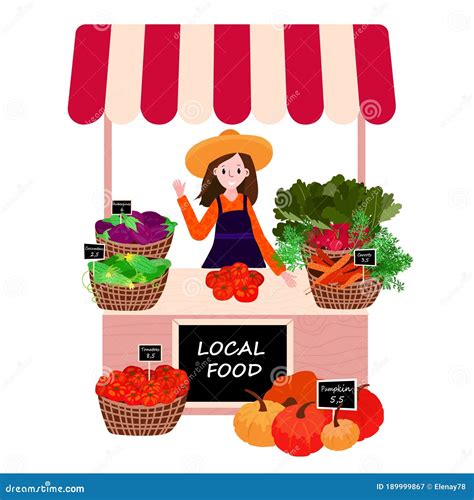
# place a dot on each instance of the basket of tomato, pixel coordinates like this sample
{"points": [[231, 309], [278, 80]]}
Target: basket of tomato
{"points": [[135, 402], [236, 281]]}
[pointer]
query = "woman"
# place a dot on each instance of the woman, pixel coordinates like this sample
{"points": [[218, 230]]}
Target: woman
{"points": [[227, 164]]}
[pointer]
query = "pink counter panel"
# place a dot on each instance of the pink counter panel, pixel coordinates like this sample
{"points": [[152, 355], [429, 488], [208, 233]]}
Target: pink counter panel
{"points": [[333, 346]]}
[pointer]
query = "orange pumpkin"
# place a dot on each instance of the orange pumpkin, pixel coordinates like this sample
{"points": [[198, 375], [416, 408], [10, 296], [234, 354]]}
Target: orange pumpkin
{"points": [[340, 434], [297, 429], [291, 389]]}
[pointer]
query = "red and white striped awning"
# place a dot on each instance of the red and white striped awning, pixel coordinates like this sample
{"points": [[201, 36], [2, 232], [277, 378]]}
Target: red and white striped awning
{"points": [[232, 70]]}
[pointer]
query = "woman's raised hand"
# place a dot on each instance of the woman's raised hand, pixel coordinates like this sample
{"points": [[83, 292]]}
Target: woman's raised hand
{"points": [[179, 187], [289, 279]]}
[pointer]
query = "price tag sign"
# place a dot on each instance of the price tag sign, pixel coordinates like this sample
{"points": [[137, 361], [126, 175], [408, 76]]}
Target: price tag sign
{"points": [[330, 394], [150, 353], [366, 257], [121, 207], [94, 251]]}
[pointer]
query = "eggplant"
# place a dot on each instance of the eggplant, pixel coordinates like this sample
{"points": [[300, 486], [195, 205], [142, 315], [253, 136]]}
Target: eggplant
{"points": [[122, 234], [138, 216], [158, 233], [143, 235], [153, 219], [101, 226]]}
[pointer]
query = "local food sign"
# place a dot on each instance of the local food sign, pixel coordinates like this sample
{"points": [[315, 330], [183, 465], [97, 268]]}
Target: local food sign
{"points": [[224, 360]]}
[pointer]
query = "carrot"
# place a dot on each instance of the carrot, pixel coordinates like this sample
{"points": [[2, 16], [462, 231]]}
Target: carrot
{"points": [[353, 278], [324, 257], [333, 270], [317, 267]]}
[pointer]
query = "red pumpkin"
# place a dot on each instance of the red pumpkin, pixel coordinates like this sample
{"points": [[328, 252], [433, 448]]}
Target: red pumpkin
{"points": [[369, 414], [290, 389], [297, 429]]}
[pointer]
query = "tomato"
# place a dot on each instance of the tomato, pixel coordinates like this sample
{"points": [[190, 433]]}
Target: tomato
{"points": [[181, 382], [167, 396], [101, 385], [212, 278], [150, 398], [133, 398], [137, 380], [166, 381], [239, 270], [118, 376], [115, 391], [255, 278], [246, 293], [223, 290], [131, 371], [152, 385], [226, 273], [163, 370], [241, 281]]}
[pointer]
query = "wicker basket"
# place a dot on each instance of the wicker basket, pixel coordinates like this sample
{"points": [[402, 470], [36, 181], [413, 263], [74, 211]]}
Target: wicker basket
{"points": [[127, 420], [119, 298], [157, 250], [359, 295], [308, 251]]}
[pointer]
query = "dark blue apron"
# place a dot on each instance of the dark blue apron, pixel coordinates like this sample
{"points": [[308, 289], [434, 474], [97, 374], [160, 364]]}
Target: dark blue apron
{"points": [[234, 240]]}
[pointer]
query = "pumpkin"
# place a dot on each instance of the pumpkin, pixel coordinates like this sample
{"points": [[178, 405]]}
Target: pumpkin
{"points": [[369, 415], [297, 429], [291, 389], [253, 422], [340, 434]]}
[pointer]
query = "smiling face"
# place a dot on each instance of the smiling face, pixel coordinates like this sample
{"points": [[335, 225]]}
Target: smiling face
{"points": [[232, 172]]}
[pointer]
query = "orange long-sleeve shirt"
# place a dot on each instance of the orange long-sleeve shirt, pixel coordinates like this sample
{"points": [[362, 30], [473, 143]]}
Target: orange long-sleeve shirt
{"points": [[200, 229]]}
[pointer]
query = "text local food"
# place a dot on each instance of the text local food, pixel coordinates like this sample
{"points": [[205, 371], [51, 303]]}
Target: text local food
{"points": [[231, 349]]}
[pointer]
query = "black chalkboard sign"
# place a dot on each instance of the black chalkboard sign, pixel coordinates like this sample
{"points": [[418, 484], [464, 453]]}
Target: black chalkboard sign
{"points": [[147, 352], [330, 394], [121, 207], [366, 257], [94, 251], [223, 360]]}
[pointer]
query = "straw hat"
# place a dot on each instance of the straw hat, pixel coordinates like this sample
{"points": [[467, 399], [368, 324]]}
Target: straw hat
{"points": [[229, 141]]}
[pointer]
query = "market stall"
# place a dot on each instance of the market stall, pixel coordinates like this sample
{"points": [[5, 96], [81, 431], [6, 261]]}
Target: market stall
{"points": [[233, 70]]}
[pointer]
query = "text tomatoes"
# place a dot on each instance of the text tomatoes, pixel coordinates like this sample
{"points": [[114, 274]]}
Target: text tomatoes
{"points": [[223, 290], [246, 293]]}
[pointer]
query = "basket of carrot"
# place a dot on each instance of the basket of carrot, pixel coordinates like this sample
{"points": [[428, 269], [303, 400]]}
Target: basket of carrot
{"points": [[340, 284]]}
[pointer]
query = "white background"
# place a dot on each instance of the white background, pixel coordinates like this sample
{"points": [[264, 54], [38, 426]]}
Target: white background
{"points": [[50, 194]]}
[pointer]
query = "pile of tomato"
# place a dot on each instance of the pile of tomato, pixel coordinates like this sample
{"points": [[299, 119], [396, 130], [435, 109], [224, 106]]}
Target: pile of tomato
{"points": [[235, 281], [135, 386]]}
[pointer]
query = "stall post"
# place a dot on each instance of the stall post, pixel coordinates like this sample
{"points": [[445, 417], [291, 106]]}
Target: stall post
{"points": [[361, 148], [107, 167]]}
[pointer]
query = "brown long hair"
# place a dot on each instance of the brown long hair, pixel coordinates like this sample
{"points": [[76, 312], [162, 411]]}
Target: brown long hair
{"points": [[211, 188]]}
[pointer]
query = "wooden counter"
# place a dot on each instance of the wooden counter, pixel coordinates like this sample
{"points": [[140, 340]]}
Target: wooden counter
{"points": [[186, 293], [332, 343]]}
